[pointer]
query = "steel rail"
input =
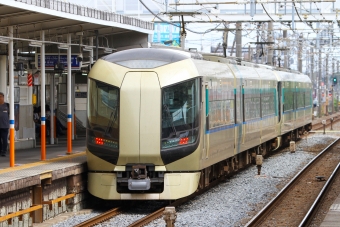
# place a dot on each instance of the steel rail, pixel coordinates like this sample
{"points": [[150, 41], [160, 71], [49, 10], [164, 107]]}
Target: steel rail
{"points": [[323, 193], [100, 218], [257, 219], [147, 219]]}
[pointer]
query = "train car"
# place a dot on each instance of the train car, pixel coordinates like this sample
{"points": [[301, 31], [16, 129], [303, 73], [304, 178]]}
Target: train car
{"points": [[162, 124]]}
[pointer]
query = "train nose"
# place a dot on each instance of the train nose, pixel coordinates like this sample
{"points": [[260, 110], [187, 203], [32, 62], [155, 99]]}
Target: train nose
{"points": [[140, 113]]}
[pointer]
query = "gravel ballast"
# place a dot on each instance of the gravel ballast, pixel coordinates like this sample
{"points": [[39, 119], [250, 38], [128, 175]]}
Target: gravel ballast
{"points": [[238, 199]]}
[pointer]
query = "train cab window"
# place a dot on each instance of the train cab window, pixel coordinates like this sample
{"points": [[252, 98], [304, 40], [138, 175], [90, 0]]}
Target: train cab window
{"points": [[102, 112], [180, 118]]}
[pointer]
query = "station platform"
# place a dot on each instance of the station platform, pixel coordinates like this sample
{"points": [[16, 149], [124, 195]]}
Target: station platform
{"points": [[31, 155], [29, 167], [332, 218]]}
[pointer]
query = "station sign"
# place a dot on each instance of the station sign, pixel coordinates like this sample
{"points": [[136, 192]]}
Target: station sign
{"points": [[167, 34], [52, 58]]}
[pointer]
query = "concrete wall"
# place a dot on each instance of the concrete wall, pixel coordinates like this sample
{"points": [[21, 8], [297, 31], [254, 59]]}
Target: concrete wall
{"points": [[22, 198]]}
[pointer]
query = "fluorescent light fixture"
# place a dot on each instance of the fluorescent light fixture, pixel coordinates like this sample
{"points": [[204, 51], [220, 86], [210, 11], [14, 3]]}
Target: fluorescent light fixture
{"points": [[87, 48], [63, 46], [108, 50], [4, 40], [35, 44]]}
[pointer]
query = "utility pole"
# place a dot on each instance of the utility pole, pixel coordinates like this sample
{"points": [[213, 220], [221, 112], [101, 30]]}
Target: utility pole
{"points": [[285, 52], [225, 43], [300, 53], [320, 87], [327, 85], [239, 40], [270, 47], [333, 89], [257, 45], [183, 34], [312, 67]]}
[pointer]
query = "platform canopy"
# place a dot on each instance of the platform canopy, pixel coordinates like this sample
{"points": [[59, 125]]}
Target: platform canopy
{"points": [[58, 18]]}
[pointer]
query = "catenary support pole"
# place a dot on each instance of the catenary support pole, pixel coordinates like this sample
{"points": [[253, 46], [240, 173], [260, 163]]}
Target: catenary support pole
{"points": [[300, 53], [69, 96], [42, 97], [270, 39], [11, 99], [239, 40], [320, 80]]}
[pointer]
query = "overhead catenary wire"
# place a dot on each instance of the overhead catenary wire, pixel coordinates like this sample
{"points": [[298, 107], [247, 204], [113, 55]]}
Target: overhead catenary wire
{"points": [[267, 13], [174, 24]]}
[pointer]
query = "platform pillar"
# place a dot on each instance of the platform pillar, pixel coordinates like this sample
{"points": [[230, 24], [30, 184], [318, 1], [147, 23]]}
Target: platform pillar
{"points": [[69, 96], [3, 75], [11, 95], [42, 97], [52, 114]]}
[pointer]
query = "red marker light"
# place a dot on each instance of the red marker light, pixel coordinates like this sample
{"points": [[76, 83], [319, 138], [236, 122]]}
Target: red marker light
{"points": [[99, 141], [184, 140]]}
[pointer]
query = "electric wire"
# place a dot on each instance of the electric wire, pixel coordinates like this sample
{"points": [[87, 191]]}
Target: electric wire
{"points": [[267, 13], [165, 21]]}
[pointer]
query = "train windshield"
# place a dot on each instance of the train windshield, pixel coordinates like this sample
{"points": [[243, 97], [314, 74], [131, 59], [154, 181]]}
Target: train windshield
{"points": [[180, 118], [103, 109]]}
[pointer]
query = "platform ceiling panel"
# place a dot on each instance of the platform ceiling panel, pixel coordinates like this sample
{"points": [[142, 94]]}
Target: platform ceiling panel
{"points": [[29, 17]]}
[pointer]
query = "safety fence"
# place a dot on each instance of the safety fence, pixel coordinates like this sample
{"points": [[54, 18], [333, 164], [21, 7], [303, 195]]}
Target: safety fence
{"points": [[89, 12]]}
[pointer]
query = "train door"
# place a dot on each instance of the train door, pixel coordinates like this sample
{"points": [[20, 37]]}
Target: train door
{"points": [[279, 98], [239, 119], [205, 91]]}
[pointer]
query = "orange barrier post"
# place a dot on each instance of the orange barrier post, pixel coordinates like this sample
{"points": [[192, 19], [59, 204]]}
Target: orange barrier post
{"points": [[43, 141], [11, 147], [69, 135]]}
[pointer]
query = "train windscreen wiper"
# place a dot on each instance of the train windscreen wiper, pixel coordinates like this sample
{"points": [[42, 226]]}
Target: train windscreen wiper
{"points": [[113, 118], [170, 118]]}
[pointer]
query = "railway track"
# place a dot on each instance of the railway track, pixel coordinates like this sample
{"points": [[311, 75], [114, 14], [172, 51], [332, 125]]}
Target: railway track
{"points": [[319, 126], [294, 201], [158, 213], [100, 218], [148, 218], [322, 197]]}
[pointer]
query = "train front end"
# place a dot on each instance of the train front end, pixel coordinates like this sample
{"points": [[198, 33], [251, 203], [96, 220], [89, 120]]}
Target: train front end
{"points": [[143, 137]]}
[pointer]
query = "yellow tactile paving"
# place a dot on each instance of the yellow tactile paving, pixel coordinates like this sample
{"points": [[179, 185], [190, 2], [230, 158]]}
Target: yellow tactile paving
{"points": [[34, 164]]}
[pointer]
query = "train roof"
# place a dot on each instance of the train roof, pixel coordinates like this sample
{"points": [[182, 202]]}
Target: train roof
{"points": [[146, 57], [288, 76]]}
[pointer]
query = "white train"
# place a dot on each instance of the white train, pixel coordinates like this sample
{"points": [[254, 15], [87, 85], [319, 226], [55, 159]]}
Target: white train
{"points": [[162, 124]]}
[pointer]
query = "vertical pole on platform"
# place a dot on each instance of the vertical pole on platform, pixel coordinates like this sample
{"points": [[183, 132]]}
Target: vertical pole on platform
{"points": [[91, 52], [69, 96], [73, 108], [3, 75], [52, 120], [11, 100], [42, 97]]}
